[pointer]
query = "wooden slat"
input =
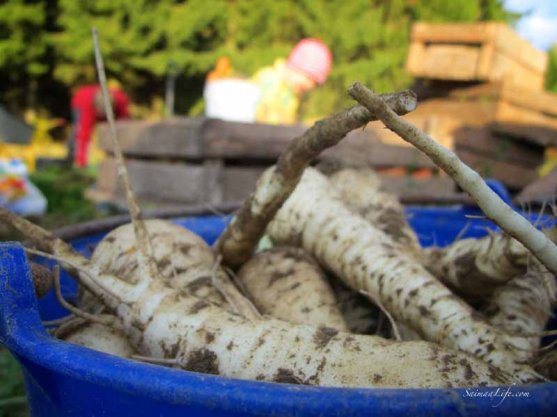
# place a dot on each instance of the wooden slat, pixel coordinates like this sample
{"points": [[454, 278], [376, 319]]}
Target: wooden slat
{"points": [[512, 175], [540, 101], [163, 181], [427, 188], [472, 33], [171, 138], [233, 140], [482, 141], [361, 148], [511, 44], [239, 182], [539, 135], [450, 62], [540, 191], [475, 51], [509, 112]]}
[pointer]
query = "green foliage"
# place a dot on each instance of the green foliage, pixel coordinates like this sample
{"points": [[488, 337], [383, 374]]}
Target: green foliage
{"points": [[63, 189], [551, 75], [12, 394], [22, 45], [142, 40]]}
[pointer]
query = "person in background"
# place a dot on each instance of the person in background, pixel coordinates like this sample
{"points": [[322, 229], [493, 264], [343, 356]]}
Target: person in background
{"points": [[283, 83], [87, 109]]}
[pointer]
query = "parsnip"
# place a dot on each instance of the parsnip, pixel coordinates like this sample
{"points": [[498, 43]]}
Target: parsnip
{"points": [[163, 322], [96, 336], [524, 305], [469, 180], [476, 267], [183, 259], [315, 218], [286, 283], [361, 190]]}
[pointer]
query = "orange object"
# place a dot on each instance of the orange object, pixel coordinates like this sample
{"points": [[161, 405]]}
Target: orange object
{"points": [[223, 69]]}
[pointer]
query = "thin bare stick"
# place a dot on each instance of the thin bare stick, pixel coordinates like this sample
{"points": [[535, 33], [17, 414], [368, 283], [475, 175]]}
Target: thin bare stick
{"points": [[386, 313], [222, 282], [57, 322], [145, 259], [238, 241], [76, 267], [156, 361], [468, 179], [110, 321]]}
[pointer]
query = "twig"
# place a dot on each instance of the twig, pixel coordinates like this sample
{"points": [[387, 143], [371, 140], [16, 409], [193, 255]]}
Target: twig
{"points": [[240, 238], [92, 281], [224, 284], [156, 361], [468, 179], [145, 259], [110, 321], [386, 313]]}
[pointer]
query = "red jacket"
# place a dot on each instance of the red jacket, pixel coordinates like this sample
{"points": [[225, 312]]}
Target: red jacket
{"points": [[83, 109]]}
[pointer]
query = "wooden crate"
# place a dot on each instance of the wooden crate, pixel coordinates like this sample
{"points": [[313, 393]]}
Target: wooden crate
{"points": [[192, 161], [484, 52]]}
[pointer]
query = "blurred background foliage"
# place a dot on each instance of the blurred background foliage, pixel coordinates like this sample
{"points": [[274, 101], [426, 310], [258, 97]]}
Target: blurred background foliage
{"points": [[46, 48]]}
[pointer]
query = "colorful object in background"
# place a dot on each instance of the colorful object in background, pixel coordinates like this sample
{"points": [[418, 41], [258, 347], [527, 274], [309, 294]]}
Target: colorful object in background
{"points": [[17, 193], [229, 97], [312, 58], [550, 162], [40, 145], [273, 93], [283, 84], [87, 109], [223, 69]]}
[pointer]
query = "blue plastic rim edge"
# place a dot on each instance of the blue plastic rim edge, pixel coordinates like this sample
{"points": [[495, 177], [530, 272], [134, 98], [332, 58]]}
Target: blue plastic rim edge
{"points": [[22, 332]]}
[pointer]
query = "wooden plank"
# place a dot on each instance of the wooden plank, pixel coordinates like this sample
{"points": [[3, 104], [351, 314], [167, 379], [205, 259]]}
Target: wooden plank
{"points": [[512, 175], [540, 191], [511, 113], [361, 148], [466, 33], [234, 140], [511, 44], [426, 188], [539, 135], [450, 62], [162, 181], [477, 51], [540, 101], [170, 138], [239, 181], [482, 141]]}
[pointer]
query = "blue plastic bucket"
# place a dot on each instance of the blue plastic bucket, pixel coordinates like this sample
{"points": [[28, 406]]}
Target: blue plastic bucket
{"points": [[67, 380]]}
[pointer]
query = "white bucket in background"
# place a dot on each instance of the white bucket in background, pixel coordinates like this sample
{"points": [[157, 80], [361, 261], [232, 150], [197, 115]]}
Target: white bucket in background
{"points": [[231, 99]]}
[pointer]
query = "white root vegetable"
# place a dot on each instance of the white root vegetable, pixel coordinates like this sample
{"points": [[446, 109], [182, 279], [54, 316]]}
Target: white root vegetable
{"points": [[524, 305], [96, 336], [360, 254], [163, 322], [241, 236], [287, 284], [469, 180], [361, 190], [183, 259], [476, 267]]}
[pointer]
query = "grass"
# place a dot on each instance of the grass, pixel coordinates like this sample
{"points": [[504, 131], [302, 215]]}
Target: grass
{"points": [[12, 394]]}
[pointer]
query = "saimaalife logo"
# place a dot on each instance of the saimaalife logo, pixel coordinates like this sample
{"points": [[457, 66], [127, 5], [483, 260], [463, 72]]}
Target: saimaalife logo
{"points": [[498, 395]]}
